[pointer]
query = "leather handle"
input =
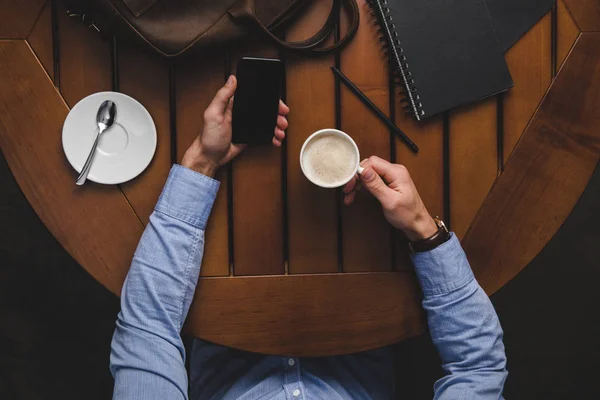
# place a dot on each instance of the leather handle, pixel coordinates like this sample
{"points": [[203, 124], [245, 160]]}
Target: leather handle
{"points": [[244, 11]]}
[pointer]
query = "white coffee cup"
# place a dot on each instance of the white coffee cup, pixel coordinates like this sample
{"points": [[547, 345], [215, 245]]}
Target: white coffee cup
{"points": [[356, 170]]}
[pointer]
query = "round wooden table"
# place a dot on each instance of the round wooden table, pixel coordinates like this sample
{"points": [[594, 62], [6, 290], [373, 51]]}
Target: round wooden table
{"points": [[287, 268]]}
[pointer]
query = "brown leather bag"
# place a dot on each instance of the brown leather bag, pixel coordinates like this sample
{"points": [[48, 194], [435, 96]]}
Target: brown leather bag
{"points": [[174, 27]]}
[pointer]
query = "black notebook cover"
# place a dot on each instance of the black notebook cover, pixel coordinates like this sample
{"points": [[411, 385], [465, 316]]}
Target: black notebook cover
{"points": [[445, 52], [512, 18]]}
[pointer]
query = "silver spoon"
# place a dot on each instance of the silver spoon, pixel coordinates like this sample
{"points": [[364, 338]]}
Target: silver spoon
{"points": [[105, 118]]}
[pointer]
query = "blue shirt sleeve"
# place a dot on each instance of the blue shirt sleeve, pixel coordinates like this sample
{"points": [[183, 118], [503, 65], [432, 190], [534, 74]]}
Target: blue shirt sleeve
{"points": [[147, 355], [463, 324]]}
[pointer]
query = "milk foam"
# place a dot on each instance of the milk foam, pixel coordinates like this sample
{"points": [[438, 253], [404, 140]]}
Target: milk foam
{"points": [[329, 159]]}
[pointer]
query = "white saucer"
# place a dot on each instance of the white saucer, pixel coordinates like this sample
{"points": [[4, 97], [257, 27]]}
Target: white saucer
{"points": [[124, 150]]}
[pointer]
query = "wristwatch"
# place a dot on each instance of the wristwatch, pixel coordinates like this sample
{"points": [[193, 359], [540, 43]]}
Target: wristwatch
{"points": [[440, 237]]}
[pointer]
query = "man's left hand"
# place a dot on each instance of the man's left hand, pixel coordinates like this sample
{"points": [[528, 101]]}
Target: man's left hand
{"points": [[213, 148]]}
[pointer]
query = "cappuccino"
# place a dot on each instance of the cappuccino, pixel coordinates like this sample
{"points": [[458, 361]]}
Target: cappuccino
{"points": [[329, 160]]}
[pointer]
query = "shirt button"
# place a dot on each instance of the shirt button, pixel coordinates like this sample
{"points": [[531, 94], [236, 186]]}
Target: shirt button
{"points": [[296, 393], [291, 362]]}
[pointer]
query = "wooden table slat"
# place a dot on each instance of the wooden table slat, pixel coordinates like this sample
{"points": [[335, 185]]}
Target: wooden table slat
{"points": [[40, 39], [312, 211], [145, 77], [545, 177], [586, 14], [258, 235], [17, 17], [94, 223], [366, 234], [567, 32], [197, 80], [85, 59], [307, 315], [473, 160], [530, 63]]}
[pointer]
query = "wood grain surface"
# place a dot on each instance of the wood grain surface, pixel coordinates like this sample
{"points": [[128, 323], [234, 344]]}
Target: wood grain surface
{"points": [[312, 211], [586, 14], [145, 77], [427, 166], [307, 315], [94, 223], [85, 60], [530, 63], [366, 234], [40, 39], [546, 175], [257, 198], [473, 160], [198, 78], [18, 17], [567, 32]]}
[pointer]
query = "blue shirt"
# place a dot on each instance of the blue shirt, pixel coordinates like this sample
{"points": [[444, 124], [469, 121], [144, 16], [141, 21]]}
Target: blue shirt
{"points": [[148, 357]]}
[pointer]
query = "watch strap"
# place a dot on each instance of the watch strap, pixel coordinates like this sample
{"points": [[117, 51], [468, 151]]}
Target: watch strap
{"points": [[440, 237]]}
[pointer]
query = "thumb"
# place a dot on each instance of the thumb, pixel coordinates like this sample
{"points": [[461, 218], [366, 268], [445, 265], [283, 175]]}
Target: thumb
{"points": [[236, 149], [221, 101], [374, 184], [229, 109]]}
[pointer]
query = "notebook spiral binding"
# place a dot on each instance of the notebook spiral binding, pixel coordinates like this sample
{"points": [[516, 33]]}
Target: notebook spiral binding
{"points": [[389, 36]]}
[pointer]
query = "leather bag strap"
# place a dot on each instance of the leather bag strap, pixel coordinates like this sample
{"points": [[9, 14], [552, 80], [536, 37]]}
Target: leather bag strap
{"points": [[244, 11], [138, 7]]}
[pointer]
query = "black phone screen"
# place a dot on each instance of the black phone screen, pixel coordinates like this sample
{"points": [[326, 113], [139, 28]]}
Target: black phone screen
{"points": [[256, 101]]}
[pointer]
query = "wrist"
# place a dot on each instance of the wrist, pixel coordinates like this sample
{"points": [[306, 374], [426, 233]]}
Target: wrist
{"points": [[195, 160], [423, 227], [203, 167]]}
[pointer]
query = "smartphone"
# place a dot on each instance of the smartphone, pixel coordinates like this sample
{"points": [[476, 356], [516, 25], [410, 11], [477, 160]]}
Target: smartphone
{"points": [[256, 101]]}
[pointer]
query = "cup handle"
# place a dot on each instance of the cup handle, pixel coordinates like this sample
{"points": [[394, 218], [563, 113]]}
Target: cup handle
{"points": [[360, 170]]}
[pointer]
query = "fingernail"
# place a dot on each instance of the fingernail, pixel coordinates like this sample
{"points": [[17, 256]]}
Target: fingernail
{"points": [[230, 80], [368, 174], [363, 162]]}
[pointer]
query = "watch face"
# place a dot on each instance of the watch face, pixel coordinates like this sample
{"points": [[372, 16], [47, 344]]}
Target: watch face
{"points": [[440, 223]]}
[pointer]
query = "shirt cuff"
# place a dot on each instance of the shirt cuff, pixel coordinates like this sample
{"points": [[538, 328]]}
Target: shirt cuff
{"points": [[188, 196], [443, 269]]}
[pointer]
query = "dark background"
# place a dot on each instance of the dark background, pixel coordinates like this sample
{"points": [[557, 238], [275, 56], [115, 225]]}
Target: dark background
{"points": [[56, 322]]}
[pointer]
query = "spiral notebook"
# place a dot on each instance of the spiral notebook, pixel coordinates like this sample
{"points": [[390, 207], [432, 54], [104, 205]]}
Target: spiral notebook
{"points": [[512, 18], [444, 52]]}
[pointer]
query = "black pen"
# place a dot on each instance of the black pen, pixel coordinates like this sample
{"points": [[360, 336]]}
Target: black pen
{"points": [[375, 109]]}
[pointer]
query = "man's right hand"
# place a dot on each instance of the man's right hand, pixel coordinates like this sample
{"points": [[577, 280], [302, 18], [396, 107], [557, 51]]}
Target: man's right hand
{"points": [[392, 185]]}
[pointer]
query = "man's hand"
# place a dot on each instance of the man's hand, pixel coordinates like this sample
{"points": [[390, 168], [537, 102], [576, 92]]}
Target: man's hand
{"points": [[402, 206], [213, 148]]}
